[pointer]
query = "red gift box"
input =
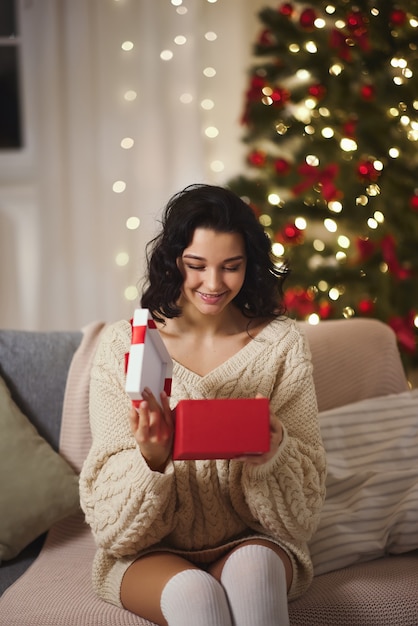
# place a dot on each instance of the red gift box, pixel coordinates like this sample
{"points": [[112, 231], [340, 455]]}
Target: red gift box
{"points": [[149, 363], [221, 429]]}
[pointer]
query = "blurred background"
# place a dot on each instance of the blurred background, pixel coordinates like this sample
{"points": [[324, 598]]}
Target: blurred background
{"points": [[120, 104], [308, 110]]}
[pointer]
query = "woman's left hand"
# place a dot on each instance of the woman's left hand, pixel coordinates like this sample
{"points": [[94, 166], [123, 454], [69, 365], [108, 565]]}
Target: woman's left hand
{"points": [[276, 436]]}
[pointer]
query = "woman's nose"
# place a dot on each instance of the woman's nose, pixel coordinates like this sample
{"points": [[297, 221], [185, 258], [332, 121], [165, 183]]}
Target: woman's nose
{"points": [[213, 280]]}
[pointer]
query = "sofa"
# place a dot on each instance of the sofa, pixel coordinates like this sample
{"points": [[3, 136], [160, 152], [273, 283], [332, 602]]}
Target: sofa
{"points": [[365, 551]]}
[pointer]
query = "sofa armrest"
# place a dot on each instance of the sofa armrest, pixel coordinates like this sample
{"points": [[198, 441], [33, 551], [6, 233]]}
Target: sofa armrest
{"points": [[34, 366], [353, 360]]}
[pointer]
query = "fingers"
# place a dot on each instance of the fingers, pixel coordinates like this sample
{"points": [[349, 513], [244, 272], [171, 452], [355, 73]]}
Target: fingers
{"points": [[152, 428], [149, 425], [133, 419], [151, 422], [168, 415]]}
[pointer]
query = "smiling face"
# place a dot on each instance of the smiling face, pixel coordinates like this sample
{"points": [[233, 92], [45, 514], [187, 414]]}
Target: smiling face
{"points": [[213, 268]]}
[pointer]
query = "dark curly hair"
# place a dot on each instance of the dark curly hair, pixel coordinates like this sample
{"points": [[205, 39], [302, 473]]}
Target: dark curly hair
{"points": [[221, 210]]}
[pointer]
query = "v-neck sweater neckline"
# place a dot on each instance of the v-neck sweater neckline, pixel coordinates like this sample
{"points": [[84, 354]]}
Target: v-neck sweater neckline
{"points": [[235, 362]]}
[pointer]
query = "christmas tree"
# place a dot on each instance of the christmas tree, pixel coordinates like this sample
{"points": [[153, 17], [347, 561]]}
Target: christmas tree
{"points": [[331, 124]]}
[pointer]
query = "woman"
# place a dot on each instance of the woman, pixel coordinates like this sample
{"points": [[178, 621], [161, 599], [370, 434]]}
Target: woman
{"points": [[209, 542]]}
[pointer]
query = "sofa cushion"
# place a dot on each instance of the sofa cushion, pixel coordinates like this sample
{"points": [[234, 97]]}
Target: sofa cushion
{"points": [[38, 486], [371, 506]]}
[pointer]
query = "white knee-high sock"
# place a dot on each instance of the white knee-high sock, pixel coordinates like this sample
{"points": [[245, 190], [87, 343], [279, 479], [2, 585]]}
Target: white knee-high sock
{"points": [[194, 597], [254, 579]]}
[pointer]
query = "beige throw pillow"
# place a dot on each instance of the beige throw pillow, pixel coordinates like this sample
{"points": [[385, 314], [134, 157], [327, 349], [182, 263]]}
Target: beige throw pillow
{"points": [[38, 487]]}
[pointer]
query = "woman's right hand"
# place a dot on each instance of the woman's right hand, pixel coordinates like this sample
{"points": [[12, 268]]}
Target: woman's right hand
{"points": [[152, 426]]}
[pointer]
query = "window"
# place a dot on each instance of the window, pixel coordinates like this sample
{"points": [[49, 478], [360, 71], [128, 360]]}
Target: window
{"points": [[10, 105]]}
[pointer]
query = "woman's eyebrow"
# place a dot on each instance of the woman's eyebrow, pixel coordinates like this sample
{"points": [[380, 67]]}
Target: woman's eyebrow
{"points": [[239, 257]]}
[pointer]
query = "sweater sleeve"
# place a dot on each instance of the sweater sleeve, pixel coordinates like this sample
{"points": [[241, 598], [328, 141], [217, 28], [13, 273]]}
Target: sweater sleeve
{"points": [[285, 496], [128, 506]]}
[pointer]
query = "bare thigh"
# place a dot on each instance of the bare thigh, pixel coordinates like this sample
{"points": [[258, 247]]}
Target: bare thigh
{"points": [[216, 568], [144, 581]]}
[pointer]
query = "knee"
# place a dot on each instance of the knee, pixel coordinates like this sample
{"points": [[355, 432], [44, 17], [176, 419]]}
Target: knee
{"points": [[255, 562], [195, 589]]}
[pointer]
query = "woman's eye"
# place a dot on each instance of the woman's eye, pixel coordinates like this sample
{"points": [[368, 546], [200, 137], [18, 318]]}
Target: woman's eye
{"points": [[195, 267], [201, 268]]}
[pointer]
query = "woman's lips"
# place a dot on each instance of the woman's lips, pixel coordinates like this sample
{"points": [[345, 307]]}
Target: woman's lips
{"points": [[211, 298]]}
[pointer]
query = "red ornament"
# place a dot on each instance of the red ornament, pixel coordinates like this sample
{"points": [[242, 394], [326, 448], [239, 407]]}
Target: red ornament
{"points": [[286, 9], [325, 310], [350, 128], [317, 91], [357, 25], [397, 17], [356, 33], [405, 331], [388, 246], [365, 248], [338, 40], [281, 166], [323, 178], [256, 85], [366, 306], [290, 234], [413, 203], [368, 92], [367, 171], [307, 19], [257, 158], [253, 94], [355, 21], [280, 96], [299, 302], [266, 38]]}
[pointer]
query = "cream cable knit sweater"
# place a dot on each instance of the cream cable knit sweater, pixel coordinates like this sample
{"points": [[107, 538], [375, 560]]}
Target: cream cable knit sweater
{"points": [[200, 509]]}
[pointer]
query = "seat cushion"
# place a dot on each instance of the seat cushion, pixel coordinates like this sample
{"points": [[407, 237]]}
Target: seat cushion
{"points": [[379, 593]]}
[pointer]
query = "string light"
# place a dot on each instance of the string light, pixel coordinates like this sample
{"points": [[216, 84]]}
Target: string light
{"points": [[132, 223], [119, 186], [344, 241], [207, 105], [180, 40], [131, 293], [127, 143], [265, 220], [278, 249], [313, 319], [217, 166], [274, 199], [300, 223], [330, 225], [122, 259], [318, 245], [130, 95], [211, 36], [127, 46], [166, 55], [209, 72], [186, 98]]}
